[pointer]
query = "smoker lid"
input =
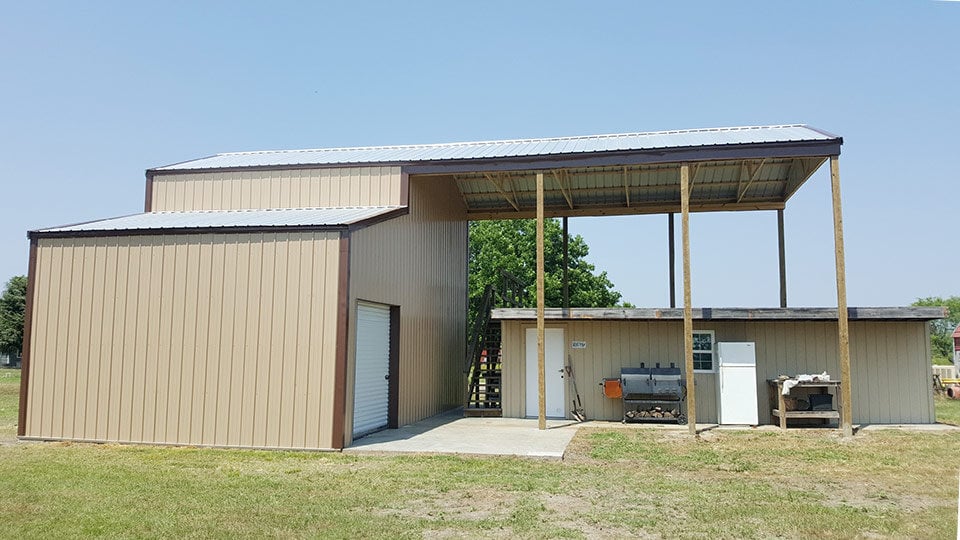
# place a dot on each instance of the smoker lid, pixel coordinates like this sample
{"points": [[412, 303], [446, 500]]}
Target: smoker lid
{"points": [[649, 371]]}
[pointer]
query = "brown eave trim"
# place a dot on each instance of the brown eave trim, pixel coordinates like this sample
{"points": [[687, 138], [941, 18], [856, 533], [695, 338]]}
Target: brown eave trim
{"points": [[148, 195], [27, 336], [186, 230], [386, 216], [290, 167], [404, 188], [338, 434]]}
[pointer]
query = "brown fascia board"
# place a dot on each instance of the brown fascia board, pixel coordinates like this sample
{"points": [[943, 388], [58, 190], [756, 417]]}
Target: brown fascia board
{"points": [[148, 195], [788, 149], [27, 338], [184, 230], [386, 216], [338, 428]]}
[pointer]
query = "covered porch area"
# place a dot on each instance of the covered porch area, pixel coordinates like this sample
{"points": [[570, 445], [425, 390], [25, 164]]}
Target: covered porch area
{"points": [[709, 170]]}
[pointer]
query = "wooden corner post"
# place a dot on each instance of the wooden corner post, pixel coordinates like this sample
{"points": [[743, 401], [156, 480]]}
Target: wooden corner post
{"points": [[846, 410], [687, 308], [541, 376]]}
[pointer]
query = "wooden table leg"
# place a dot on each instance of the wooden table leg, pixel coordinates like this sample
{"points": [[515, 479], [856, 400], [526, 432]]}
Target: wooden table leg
{"points": [[781, 405], [839, 408]]}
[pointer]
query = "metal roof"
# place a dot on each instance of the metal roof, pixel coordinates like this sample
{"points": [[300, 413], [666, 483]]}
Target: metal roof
{"points": [[232, 219], [724, 314], [492, 150]]}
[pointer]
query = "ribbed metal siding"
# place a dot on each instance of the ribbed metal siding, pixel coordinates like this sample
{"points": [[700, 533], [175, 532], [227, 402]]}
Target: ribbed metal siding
{"points": [[889, 361], [200, 339], [372, 367], [303, 188], [418, 262]]}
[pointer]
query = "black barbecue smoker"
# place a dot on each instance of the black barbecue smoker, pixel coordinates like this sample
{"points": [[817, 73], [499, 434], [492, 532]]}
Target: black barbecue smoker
{"points": [[653, 394]]}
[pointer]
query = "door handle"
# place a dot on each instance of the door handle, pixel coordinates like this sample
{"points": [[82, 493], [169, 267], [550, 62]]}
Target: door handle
{"points": [[386, 377]]}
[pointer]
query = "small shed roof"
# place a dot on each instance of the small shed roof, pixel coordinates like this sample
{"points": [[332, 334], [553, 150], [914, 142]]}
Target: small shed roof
{"points": [[210, 221], [650, 142], [724, 314]]}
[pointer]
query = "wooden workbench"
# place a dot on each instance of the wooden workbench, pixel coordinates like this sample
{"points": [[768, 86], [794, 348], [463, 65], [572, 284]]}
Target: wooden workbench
{"points": [[823, 387]]}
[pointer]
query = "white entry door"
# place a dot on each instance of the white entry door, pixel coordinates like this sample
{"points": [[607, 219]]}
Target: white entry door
{"points": [[553, 372], [370, 390]]}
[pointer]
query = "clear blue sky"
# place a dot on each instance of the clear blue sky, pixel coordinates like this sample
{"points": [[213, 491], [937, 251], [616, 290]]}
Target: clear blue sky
{"points": [[94, 93]]}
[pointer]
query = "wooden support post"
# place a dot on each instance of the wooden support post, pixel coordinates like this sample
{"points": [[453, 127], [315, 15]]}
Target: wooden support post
{"points": [[687, 308], [783, 260], [566, 265], [673, 260], [541, 376], [846, 408]]}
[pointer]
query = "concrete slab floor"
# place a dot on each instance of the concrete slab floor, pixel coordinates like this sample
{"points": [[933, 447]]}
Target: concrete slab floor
{"points": [[451, 433]]}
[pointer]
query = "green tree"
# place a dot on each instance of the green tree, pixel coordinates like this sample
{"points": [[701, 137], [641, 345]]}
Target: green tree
{"points": [[511, 245], [13, 303], [941, 330]]}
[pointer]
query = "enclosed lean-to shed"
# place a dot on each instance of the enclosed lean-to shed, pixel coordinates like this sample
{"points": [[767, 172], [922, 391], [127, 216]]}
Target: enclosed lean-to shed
{"points": [[207, 322], [299, 299]]}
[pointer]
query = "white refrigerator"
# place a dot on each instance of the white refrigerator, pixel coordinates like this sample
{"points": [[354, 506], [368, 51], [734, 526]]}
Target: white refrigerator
{"points": [[737, 384]]}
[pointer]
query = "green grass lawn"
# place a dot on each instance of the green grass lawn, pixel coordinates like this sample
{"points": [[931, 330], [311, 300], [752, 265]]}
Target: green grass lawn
{"points": [[613, 483], [9, 402], [948, 410]]}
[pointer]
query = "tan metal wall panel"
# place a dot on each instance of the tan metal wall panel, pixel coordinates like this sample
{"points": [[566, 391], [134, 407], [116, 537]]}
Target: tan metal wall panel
{"points": [[889, 361], [305, 188], [417, 262], [224, 340]]}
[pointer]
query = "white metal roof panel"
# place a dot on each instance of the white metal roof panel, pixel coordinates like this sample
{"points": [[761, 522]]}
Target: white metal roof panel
{"points": [[509, 148], [307, 217]]}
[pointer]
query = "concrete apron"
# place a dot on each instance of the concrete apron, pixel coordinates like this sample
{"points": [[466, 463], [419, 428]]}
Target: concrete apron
{"points": [[451, 433]]}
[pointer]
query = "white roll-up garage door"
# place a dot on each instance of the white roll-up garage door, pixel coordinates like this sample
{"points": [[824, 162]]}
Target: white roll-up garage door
{"points": [[370, 395]]}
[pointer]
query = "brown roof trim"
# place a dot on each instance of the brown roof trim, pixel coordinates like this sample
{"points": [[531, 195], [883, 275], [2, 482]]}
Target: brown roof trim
{"points": [[386, 216], [27, 337], [726, 314], [404, 188], [291, 167], [186, 230], [338, 435], [148, 195]]}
